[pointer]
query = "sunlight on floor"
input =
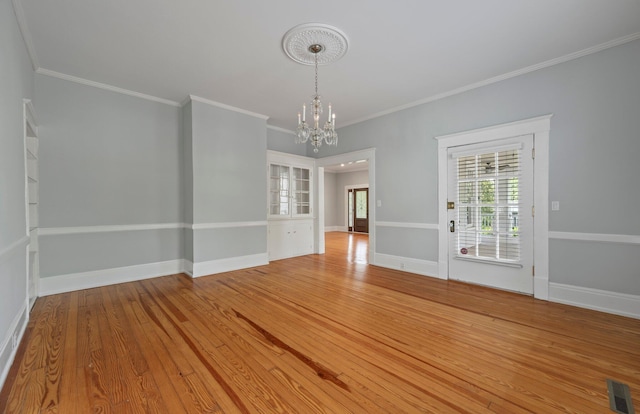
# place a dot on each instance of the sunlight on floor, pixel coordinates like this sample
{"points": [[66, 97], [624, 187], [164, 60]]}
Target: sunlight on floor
{"points": [[358, 248]]}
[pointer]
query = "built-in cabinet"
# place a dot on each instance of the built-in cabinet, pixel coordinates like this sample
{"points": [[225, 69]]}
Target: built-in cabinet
{"points": [[290, 205], [31, 199]]}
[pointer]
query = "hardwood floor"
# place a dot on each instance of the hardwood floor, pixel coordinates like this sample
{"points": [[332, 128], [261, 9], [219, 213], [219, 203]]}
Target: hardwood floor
{"points": [[317, 334]]}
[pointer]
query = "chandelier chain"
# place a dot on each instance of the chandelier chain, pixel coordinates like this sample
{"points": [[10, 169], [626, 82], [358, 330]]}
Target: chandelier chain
{"points": [[316, 56], [314, 132]]}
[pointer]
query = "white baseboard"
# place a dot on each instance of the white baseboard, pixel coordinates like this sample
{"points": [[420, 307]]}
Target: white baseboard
{"points": [[600, 300], [7, 349], [407, 264], [327, 229], [97, 278], [229, 264]]}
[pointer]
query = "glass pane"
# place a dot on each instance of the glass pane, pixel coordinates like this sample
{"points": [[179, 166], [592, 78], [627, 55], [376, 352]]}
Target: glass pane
{"points": [[487, 164], [486, 191], [361, 204], [466, 192], [508, 162], [466, 167]]}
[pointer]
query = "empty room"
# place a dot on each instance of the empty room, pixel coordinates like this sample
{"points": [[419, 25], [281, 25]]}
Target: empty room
{"points": [[334, 207]]}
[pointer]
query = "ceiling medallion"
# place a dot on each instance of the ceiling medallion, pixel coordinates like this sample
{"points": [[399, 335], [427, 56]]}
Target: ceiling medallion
{"points": [[315, 44]]}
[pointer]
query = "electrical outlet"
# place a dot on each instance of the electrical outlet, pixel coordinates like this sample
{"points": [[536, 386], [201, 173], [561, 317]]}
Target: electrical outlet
{"points": [[14, 341], [402, 266]]}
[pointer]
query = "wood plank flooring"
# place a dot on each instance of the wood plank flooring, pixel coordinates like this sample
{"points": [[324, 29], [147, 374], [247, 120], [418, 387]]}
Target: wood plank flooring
{"points": [[317, 334]]}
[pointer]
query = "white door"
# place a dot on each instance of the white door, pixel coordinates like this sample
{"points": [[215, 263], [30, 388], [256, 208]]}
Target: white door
{"points": [[490, 213]]}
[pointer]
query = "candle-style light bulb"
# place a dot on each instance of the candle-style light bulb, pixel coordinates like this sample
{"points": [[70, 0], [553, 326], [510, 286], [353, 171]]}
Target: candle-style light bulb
{"points": [[299, 118], [304, 112]]}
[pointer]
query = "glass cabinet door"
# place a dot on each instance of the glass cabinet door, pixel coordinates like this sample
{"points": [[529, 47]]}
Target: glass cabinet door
{"points": [[279, 190], [300, 191]]}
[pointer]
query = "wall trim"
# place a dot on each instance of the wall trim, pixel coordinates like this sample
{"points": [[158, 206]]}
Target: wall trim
{"points": [[229, 264], [552, 62], [286, 131], [54, 231], [223, 106], [424, 226], [104, 277], [14, 247], [596, 299], [206, 226], [595, 237], [104, 86], [7, 351], [408, 264], [328, 229]]}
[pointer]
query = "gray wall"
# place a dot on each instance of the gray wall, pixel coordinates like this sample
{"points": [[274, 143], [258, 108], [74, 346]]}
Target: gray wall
{"points": [[106, 159], [16, 83], [330, 203], [229, 182], [594, 148], [278, 140]]}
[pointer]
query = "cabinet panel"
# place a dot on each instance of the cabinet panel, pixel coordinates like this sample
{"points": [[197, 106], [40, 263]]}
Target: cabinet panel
{"points": [[289, 238]]}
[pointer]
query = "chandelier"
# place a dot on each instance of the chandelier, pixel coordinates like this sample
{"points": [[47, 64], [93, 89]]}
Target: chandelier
{"points": [[315, 44]]}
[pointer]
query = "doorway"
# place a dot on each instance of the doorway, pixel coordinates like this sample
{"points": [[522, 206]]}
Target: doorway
{"points": [[332, 163], [490, 201], [358, 210], [538, 129]]}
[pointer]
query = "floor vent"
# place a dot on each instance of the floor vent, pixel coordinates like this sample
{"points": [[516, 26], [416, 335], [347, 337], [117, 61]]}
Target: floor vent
{"points": [[619, 397]]}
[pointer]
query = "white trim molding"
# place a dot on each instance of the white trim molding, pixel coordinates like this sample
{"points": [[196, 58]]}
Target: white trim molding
{"points": [[14, 247], [104, 86], [285, 131], [595, 299], [423, 226], [595, 237], [223, 106], [408, 264], [328, 229], [229, 225], [8, 349], [96, 278], [54, 231], [540, 128], [229, 264]]}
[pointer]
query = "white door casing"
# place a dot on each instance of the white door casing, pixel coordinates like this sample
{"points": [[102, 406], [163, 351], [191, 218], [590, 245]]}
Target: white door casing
{"points": [[539, 127]]}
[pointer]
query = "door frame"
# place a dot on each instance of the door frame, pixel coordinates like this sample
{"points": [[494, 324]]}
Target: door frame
{"points": [[346, 202], [539, 127], [366, 154]]}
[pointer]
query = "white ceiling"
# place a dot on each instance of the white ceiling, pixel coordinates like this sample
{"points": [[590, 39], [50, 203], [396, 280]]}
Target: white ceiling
{"points": [[401, 52]]}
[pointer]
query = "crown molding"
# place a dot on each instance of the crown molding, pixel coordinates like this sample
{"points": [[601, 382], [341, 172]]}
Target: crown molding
{"points": [[552, 62], [286, 131], [26, 34], [104, 86], [223, 106]]}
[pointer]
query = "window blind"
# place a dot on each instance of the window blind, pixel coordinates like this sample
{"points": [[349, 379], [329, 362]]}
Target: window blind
{"points": [[488, 204]]}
